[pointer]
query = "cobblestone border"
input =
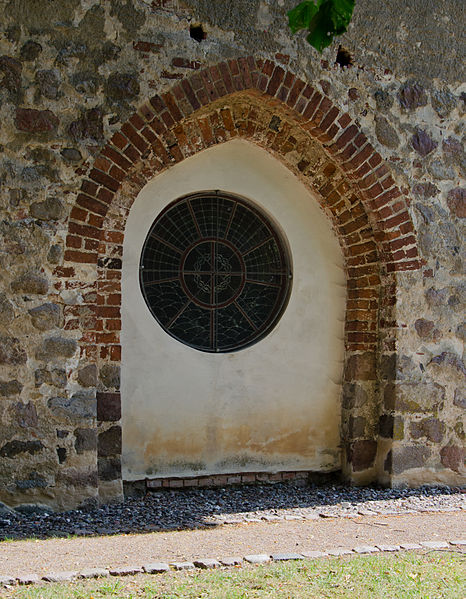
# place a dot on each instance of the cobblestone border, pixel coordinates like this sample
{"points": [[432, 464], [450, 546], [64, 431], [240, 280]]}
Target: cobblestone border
{"points": [[224, 562]]}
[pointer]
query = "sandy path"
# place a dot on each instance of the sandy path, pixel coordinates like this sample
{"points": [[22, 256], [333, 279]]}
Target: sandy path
{"points": [[43, 556]]}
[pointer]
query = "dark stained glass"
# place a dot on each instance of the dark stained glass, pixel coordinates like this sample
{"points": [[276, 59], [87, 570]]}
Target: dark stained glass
{"points": [[215, 272]]}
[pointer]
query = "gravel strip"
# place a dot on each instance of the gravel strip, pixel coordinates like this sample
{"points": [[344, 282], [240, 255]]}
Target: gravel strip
{"points": [[197, 508]]}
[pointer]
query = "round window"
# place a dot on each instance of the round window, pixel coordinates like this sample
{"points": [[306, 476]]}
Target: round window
{"points": [[215, 272]]}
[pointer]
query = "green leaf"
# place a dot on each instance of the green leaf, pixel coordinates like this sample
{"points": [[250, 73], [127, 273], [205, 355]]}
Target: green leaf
{"points": [[300, 16], [324, 19]]}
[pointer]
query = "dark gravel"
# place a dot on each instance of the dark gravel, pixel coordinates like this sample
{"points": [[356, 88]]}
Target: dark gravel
{"points": [[189, 508]]}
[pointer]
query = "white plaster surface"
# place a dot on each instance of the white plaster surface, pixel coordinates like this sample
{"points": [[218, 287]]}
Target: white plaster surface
{"points": [[273, 406]]}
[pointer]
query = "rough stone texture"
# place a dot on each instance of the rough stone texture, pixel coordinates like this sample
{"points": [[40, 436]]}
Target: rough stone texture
{"points": [[76, 74], [45, 317]]}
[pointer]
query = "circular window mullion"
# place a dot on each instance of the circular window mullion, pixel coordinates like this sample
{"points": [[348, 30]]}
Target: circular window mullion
{"points": [[215, 272]]}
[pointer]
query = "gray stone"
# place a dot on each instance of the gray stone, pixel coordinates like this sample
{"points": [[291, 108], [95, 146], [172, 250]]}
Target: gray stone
{"points": [[34, 509], [440, 170], [456, 200], [71, 155], [449, 359], [5, 510], [231, 561], [89, 126], [412, 95], [60, 576], [443, 102], [365, 549], [87, 376], [182, 565], [93, 573], [110, 376], [458, 542], [360, 367], [362, 454], [33, 481], [27, 579], [48, 83], [357, 426], [459, 398], [30, 283], [314, 554], [461, 331], [436, 297], [389, 548], [77, 407], [50, 209], [55, 254], [409, 456], [207, 563], [424, 327], [16, 447], [354, 396], [109, 442], [410, 546], [25, 415], [56, 347], [385, 133], [7, 312], [122, 86], [383, 100], [434, 544], [6, 581], [419, 397], [30, 50], [431, 428], [156, 568], [386, 422], [10, 70], [452, 456], [86, 440], [423, 143], [339, 551], [260, 558], [285, 557], [45, 317], [9, 388], [109, 468], [11, 351]]}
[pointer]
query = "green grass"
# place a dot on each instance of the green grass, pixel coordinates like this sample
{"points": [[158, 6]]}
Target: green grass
{"points": [[434, 575]]}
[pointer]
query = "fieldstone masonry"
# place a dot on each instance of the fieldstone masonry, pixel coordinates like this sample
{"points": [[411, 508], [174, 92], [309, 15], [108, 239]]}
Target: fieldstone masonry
{"points": [[98, 98]]}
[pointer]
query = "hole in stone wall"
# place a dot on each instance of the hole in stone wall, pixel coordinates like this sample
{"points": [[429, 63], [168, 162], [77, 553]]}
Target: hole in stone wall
{"points": [[197, 32], [344, 58]]}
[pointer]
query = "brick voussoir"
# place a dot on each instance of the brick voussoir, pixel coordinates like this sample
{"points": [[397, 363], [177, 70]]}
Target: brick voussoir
{"points": [[137, 141], [92, 204], [104, 179], [114, 155]]}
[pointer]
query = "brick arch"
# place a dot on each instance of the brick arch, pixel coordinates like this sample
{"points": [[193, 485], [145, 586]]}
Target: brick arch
{"points": [[262, 103]]}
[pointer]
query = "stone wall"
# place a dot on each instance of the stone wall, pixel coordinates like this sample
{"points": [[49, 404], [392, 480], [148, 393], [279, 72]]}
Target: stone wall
{"points": [[72, 75]]}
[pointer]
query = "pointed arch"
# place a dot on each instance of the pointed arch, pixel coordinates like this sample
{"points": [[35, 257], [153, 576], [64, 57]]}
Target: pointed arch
{"points": [[259, 101]]}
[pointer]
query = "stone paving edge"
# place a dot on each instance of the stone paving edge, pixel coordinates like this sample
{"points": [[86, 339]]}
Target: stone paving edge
{"points": [[7, 581]]}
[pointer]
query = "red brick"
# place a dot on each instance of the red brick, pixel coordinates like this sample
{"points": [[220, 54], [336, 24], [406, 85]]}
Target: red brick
{"points": [[244, 70], [396, 220], [347, 135], [84, 230], [89, 187], [294, 92], [105, 180], [188, 90], [73, 241], [83, 257], [344, 120], [226, 77], [275, 81], [78, 214], [185, 63], [329, 118], [119, 140], [138, 141], [116, 157]]}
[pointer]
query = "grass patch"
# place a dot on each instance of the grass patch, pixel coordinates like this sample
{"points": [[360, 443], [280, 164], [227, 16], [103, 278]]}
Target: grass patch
{"points": [[434, 575]]}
